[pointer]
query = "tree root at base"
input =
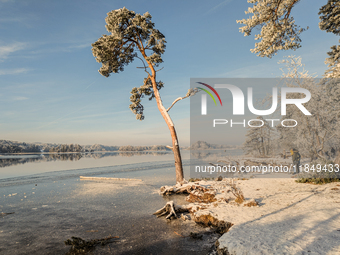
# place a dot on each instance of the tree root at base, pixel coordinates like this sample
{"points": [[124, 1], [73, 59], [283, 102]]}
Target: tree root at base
{"points": [[171, 209]]}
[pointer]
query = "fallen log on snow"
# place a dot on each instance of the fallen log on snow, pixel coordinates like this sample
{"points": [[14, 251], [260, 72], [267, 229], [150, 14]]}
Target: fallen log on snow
{"points": [[181, 189]]}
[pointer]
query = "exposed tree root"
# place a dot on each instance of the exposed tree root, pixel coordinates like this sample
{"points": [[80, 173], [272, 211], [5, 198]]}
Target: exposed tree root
{"points": [[203, 195], [171, 209]]}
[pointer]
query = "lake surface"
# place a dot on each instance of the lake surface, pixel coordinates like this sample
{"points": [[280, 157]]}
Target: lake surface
{"points": [[49, 204], [12, 166], [21, 165]]}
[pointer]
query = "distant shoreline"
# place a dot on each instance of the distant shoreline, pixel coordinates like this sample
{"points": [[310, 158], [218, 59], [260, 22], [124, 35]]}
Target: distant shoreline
{"points": [[80, 152], [116, 151]]}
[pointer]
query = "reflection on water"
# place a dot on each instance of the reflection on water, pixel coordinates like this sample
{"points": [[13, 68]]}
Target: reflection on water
{"points": [[102, 187], [10, 160], [213, 154]]}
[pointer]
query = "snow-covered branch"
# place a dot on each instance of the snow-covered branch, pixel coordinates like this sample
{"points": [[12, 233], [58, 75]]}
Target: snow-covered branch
{"points": [[191, 92]]}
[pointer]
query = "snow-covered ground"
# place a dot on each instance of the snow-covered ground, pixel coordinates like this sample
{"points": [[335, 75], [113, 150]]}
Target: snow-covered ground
{"points": [[291, 218]]}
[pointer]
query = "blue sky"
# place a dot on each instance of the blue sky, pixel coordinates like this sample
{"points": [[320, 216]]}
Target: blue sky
{"points": [[51, 90]]}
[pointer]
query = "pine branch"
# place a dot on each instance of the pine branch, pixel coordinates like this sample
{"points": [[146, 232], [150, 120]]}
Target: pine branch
{"points": [[191, 92]]}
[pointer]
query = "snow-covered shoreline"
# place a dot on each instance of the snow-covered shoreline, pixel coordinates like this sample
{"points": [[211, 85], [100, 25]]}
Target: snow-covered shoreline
{"points": [[290, 218]]}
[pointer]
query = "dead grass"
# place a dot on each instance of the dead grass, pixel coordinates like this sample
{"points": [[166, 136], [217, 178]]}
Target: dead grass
{"points": [[239, 200], [199, 179], [208, 220], [237, 192], [251, 203], [201, 198]]}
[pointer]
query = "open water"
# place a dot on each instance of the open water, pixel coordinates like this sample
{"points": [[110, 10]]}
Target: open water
{"points": [[43, 203]]}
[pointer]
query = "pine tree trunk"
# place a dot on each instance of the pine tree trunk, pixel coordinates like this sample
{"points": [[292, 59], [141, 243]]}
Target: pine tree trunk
{"points": [[168, 121], [177, 156], [175, 145], [170, 124]]}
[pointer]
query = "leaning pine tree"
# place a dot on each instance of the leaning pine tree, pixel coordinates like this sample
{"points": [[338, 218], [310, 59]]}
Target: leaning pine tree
{"points": [[133, 34]]}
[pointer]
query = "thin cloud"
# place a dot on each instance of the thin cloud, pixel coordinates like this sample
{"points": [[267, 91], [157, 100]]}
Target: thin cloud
{"points": [[10, 19], [19, 98], [80, 46], [218, 6], [6, 50], [89, 85], [87, 117], [264, 70], [50, 48], [13, 71]]}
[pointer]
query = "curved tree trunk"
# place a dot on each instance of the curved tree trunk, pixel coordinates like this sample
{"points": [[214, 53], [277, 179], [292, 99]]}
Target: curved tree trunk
{"points": [[170, 124], [177, 155], [168, 120], [175, 145]]}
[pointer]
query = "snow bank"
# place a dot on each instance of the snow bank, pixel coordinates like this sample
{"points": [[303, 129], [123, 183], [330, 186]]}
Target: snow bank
{"points": [[292, 218]]}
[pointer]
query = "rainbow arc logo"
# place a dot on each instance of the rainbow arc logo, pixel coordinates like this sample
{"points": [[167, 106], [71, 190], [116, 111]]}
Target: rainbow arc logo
{"points": [[204, 97]]}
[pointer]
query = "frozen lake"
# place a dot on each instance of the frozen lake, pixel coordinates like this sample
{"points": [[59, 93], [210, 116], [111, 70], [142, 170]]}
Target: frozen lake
{"points": [[22, 165], [50, 204]]}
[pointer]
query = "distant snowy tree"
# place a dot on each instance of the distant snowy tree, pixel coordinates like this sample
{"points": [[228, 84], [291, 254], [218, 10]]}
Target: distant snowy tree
{"points": [[127, 148], [258, 139], [331, 105], [313, 133], [132, 34], [333, 62], [77, 148]]}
